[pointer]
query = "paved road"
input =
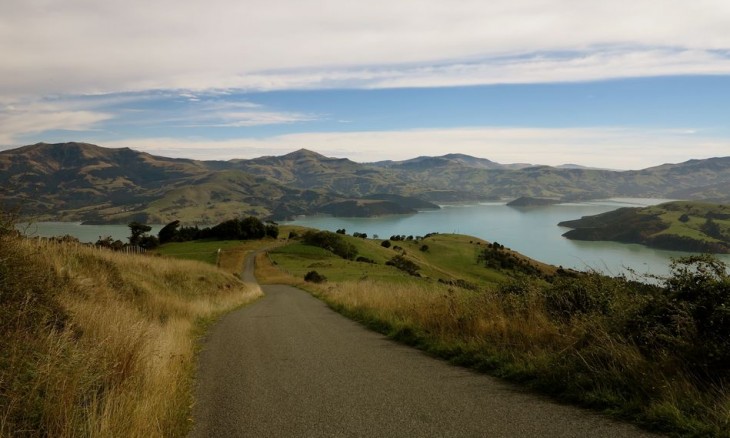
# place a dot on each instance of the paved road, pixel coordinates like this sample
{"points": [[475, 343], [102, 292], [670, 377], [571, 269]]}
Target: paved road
{"points": [[287, 366]]}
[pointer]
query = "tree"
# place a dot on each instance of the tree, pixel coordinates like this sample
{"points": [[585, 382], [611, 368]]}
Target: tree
{"points": [[712, 229], [168, 233], [138, 230], [272, 230]]}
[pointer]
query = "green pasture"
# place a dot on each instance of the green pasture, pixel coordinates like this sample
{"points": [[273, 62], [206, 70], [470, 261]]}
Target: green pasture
{"points": [[201, 250]]}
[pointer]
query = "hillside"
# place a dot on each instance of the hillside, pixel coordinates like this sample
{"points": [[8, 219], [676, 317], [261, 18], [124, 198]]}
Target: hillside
{"points": [[83, 182], [680, 226], [97, 343]]}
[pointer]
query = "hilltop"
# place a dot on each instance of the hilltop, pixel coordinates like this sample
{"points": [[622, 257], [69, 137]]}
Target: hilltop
{"points": [[84, 182]]}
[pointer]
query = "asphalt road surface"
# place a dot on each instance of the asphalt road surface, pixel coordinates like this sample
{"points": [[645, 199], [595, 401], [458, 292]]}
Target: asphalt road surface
{"points": [[288, 366]]}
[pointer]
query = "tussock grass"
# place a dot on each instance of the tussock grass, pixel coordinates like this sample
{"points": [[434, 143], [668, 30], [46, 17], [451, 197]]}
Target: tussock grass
{"points": [[97, 343]]}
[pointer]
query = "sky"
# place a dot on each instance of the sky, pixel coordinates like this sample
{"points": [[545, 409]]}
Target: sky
{"points": [[619, 84]]}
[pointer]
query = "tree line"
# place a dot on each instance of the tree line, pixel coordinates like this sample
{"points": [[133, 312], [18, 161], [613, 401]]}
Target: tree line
{"points": [[248, 228]]}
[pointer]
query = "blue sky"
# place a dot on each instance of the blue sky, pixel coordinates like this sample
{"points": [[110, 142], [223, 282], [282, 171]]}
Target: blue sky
{"points": [[612, 85]]}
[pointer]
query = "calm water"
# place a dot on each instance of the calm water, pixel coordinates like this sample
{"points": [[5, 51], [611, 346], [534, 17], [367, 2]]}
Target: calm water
{"points": [[85, 233], [531, 231]]}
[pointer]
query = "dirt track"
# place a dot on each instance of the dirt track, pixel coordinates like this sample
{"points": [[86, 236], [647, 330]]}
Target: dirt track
{"points": [[287, 366]]}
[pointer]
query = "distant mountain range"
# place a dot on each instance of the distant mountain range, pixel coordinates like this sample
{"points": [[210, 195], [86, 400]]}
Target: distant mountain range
{"points": [[85, 182]]}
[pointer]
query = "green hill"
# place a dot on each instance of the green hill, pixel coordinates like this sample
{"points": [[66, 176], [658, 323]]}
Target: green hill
{"points": [[679, 226]]}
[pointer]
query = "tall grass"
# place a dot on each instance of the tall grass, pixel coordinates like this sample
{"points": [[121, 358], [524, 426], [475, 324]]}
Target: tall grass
{"points": [[97, 343], [581, 339]]}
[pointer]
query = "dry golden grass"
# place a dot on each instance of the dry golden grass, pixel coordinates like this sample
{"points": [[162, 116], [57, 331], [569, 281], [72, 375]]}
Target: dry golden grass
{"points": [[113, 352], [268, 273]]}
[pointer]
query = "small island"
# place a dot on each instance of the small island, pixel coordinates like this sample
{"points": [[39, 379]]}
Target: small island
{"points": [[376, 205], [527, 201], [677, 226]]}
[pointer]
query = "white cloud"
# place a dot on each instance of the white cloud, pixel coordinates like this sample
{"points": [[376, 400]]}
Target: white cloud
{"points": [[619, 148], [257, 118], [19, 120], [604, 63], [25, 118], [82, 46]]}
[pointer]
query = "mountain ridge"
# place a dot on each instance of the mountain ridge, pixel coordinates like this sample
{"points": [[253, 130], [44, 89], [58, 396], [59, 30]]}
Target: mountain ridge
{"points": [[82, 181]]}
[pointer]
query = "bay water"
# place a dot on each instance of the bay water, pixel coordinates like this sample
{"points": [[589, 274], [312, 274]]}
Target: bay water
{"points": [[533, 231]]}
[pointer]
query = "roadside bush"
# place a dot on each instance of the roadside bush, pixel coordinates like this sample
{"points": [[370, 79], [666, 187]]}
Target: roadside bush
{"points": [[691, 317], [314, 277], [590, 293]]}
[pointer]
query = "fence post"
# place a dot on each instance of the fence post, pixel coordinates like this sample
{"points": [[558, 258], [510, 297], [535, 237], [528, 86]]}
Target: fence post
{"points": [[218, 259]]}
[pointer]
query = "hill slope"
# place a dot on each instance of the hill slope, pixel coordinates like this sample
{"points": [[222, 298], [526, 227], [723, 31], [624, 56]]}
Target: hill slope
{"points": [[682, 226]]}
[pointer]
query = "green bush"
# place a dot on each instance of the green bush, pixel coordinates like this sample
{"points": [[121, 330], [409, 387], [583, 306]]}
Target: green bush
{"points": [[404, 264], [314, 277], [690, 318], [331, 242], [590, 293]]}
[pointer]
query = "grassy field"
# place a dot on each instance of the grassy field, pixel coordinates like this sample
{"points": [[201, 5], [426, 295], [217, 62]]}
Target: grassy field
{"points": [[102, 344], [636, 351], [696, 214], [230, 259]]}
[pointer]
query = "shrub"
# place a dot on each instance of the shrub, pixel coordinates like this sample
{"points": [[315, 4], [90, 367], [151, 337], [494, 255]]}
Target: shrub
{"points": [[404, 264], [365, 260], [385, 244], [314, 277], [690, 317], [591, 293], [331, 242]]}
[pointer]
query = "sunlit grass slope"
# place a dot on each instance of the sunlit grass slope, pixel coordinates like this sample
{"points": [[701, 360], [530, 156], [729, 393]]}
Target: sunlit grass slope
{"points": [[102, 344]]}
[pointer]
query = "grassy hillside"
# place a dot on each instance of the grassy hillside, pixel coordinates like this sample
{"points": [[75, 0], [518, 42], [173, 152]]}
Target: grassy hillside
{"points": [[658, 355], [440, 257], [97, 343], [680, 226]]}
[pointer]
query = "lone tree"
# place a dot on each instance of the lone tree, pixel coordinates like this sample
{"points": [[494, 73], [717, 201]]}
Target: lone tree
{"points": [[138, 230]]}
